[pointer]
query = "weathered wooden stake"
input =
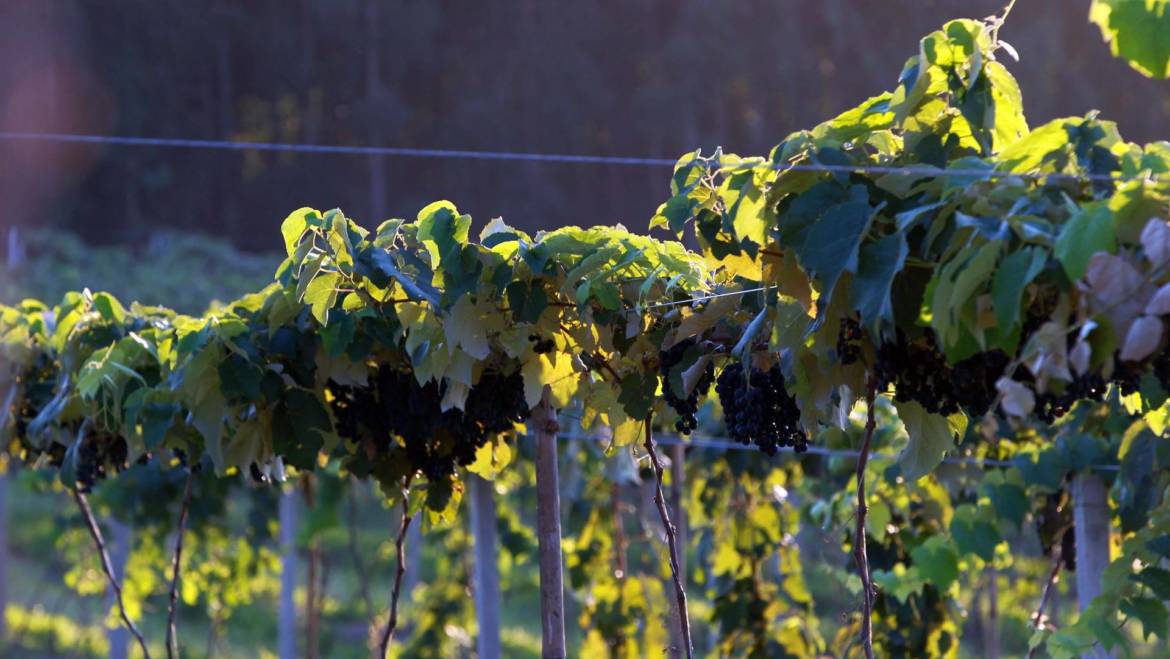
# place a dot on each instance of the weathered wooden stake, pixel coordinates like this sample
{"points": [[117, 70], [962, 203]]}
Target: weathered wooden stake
{"points": [[121, 535], [487, 573], [548, 532], [286, 625], [1091, 524]]}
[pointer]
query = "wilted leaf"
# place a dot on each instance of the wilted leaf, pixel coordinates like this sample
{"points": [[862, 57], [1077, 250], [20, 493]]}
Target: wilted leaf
{"points": [[1142, 339], [1159, 305], [1156, 242]]}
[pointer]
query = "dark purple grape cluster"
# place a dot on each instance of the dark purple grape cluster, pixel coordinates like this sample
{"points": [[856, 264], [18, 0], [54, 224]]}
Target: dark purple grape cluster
{"points": [[98, 455], [435, 441], [760, 410], [1050, 406], [541, 346], [849, 341], [919, 372], [686, 408]]}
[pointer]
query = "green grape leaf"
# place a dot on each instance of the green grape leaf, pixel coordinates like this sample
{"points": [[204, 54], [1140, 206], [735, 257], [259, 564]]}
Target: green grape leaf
{"points": [[321, 295], [465, 328], [637, 394], [1152, 612], [879, 262], [937, 561], [296, 224], [299, 426], [1088, 231], [1136, 32], [974, 531], [930, 435], [1156, 579], [1015, 272], [832, 245]]}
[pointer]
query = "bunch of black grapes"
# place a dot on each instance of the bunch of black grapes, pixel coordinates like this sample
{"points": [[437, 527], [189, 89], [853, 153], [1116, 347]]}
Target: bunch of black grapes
{"points": [[758, 409], [98, 455], [849, 341], [686, 408], [435, 441]]}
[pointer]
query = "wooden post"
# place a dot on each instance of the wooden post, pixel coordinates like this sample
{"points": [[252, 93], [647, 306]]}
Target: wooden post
{"points": [[991, 622], [486, 569], [286, 626], [548, 532], [1091, 524], [120, 538], [4, 554]]}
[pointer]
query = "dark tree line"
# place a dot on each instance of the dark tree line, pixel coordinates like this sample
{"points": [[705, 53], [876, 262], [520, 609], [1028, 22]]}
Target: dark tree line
{"points": [[651, 78]]}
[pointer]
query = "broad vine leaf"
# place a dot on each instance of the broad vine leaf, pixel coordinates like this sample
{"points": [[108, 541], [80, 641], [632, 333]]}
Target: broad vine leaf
{"points": [[466, 330], [832, 245], [1087, 232], [1152, 612], [879, 262], [1136, 31], [930, 435], [937, 561]]}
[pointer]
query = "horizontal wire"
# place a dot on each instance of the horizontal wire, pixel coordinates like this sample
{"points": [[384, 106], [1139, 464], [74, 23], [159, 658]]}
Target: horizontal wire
{"points": [[337, 149], [520, 156], [725, 444], [708, 297]]}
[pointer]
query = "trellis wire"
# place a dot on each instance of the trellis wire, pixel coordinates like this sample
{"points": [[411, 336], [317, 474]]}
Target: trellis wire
{"points": [[564, 158], [726, 444]]}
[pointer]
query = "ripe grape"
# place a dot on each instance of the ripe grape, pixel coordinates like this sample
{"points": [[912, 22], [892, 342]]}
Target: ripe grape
{"points": [[686, 408], [760, 410]]}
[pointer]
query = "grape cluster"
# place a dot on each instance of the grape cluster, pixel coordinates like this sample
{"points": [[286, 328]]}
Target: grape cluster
{"points": [[849, 341], [98, 455], [434, 441], [919, 372], [1050, 405], [760, 410], [541, 346], [686, 408]]}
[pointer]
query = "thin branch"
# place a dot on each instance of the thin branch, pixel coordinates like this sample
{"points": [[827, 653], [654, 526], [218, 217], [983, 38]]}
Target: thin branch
{"points": [[403, 527], [672, 543], [859, 552], [96, 533], [1049, 586], [172, 607]]}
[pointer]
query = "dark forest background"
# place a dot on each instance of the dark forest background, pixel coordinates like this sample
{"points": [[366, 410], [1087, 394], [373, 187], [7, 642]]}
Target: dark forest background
{"points": [[644, 78]]}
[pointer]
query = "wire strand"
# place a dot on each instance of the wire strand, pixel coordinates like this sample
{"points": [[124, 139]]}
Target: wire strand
{"points": [[726, 444], [564, 158]]}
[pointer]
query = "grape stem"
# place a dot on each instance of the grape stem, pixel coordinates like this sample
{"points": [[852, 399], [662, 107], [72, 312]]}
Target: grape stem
{"points": [[400, 570], [672, 543], [96, 533], [172, 639], [859, 552]]}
